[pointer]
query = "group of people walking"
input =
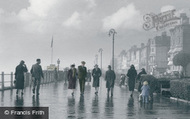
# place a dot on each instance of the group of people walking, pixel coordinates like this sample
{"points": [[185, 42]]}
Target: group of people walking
{"points": [[82, 74], [143, 86], [72, 75], [36, 72]]}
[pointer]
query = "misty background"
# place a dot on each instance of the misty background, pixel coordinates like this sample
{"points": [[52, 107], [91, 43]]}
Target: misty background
{"points": [[78, 27]]}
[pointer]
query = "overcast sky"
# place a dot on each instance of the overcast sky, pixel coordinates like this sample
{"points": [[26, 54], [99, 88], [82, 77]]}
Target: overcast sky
{"points": [[79, 28]]}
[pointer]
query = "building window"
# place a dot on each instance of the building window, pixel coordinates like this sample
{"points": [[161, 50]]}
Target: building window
{"points": [[152, 49]]}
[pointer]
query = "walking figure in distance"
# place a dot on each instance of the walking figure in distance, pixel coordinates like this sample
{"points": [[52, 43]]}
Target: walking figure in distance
{"points": [[96, 73], [88, 77], [145, 92], [55, 74], [19, 76], [37, 74], [72, 78], [110, 80], [132, 73], [82, 72]]}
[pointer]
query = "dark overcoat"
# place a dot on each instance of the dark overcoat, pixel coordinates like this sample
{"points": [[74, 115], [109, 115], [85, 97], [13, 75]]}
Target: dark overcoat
{"points": [[110, 78], [96, 73], [82, 72], [132, 73], [19, 76], [72, 73]]}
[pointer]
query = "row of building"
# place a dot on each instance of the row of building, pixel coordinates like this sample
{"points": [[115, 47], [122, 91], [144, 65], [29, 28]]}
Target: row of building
{"points": [[156, 56]]}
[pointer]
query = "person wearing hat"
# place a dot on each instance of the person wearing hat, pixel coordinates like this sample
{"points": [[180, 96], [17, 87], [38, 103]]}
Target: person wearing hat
{"points": [[19, 76], [132, 74], [139, 78], [37, 74], [72, 77], [110, 80], [82, 73], [96, 74]]}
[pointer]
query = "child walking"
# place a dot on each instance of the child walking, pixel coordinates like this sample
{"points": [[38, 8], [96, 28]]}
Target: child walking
{"points": [[145, 92]]}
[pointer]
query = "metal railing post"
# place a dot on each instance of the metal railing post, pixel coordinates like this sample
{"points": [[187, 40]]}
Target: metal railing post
{"points": [[11, 80], [2, 78]]}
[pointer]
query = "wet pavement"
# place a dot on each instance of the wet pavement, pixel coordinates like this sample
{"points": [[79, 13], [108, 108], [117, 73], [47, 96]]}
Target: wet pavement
{"points": [[62, 105]]}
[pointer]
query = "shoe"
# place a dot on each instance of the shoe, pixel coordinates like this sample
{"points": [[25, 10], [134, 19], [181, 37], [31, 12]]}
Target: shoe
{"points": [[72, 94], [131, 95]]}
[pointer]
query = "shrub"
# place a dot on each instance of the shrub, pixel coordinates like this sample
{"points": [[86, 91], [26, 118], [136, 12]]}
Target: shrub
{"points": [[180, 89]]}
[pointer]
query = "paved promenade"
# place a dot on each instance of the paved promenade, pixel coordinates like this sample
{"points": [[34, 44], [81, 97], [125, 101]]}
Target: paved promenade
{"points": [[62, 105]]}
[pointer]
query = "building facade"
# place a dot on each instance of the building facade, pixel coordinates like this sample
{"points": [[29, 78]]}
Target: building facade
{"points": [[180, 41]]}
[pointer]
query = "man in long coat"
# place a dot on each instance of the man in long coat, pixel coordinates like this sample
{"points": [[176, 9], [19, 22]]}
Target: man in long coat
{"points": [[37, 74], [132, 74], [110, 80], [72, 77], [96, 73], [82, 72], [19, 76]]}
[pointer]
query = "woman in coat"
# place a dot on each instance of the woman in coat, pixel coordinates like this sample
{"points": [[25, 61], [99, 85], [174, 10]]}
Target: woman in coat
{"points": [[96, 73], [110, 80], [19, 76], [72, 73], [132, 73]]}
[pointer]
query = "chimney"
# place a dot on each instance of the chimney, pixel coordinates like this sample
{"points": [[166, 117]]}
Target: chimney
{"points": [[184, 18], [142, 45]]}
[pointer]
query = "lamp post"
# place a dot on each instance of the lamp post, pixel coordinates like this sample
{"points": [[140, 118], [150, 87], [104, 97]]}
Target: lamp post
{"points": [[96, 59], [58, 62], [100, 51], [112, 32]]}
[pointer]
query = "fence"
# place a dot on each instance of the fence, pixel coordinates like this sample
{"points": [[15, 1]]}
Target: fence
{"points": [[7, 80]]}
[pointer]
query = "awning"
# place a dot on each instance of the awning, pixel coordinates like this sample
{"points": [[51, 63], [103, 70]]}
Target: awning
{"points": [[170, 63], [170, 51], [177, 50]]}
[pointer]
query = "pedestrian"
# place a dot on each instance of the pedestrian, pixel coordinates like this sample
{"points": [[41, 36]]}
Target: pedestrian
{"points": [[72, 78], [55, 74], [19, 76], [139, 78], [65, 75], [96, 73], [145, 92], [132, 73], [110, 80], [37, 74], [122, 80], [88, 76], [82, 73]]}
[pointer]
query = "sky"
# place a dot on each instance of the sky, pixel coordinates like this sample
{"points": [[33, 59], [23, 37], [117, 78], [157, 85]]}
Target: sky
{"points": [[79, 28]]}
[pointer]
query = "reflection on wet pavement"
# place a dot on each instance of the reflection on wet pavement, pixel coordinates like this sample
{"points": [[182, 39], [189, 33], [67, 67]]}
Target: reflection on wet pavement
{"points": [[62, 105]]}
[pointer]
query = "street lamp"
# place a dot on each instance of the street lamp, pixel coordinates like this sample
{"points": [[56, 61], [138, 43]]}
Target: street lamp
{"points": [[112, 32], [96, 59], [58, 62], [100, 51]]}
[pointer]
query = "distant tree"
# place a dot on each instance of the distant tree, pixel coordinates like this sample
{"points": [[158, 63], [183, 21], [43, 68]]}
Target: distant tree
{"points": [[182, 59]]}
